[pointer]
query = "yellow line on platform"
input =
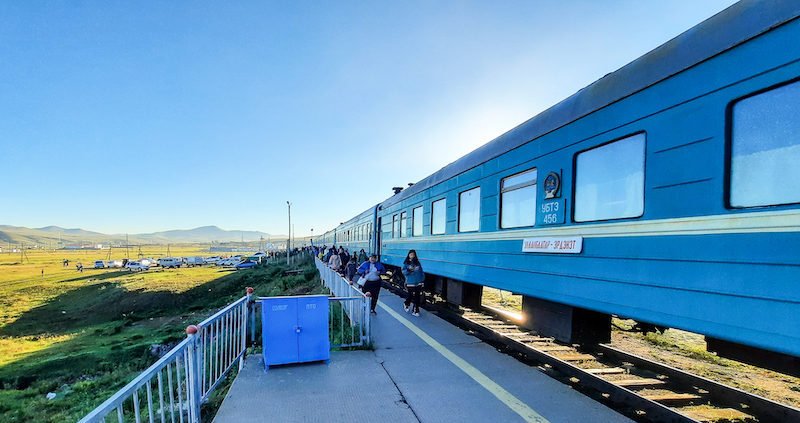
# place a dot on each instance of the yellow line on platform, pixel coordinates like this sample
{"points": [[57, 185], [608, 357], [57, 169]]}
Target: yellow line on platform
{"points": [[508, 399]]}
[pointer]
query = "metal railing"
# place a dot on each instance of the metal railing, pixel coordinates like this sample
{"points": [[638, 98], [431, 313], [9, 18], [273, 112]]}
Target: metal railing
{"points": [[354, 305], [172, 389]]}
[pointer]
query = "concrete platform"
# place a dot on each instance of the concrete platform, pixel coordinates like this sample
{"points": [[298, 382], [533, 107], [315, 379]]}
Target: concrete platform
{"points": [[422, 370]]}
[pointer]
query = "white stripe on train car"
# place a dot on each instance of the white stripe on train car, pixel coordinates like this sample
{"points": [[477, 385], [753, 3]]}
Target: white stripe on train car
{"points": [[754, 222]]}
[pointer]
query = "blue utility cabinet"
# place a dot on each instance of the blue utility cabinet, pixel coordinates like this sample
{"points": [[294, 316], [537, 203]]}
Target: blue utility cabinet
{"points": [[295, 329]]}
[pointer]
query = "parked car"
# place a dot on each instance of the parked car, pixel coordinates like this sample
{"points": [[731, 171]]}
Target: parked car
{"points": [[247, 264], [114, 263], [170, 262], [211, 260], [99, 264], [135, 265], [148, 262], [260, 254], [194, 261], [230, 261]]}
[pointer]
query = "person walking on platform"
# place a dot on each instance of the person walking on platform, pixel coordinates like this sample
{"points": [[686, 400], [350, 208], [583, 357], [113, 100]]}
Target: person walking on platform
{"points": [[344, 257], [331, 251], [373, 271], [335, 262], [352, 265], [415, 279], [362, 256]]}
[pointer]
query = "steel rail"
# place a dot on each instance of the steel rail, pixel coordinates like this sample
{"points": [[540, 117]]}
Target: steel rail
{"points": [[618, 394], [723, 395]]}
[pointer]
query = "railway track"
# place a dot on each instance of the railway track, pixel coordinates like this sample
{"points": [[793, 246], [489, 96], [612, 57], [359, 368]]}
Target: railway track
{"points": [[653, 391]]}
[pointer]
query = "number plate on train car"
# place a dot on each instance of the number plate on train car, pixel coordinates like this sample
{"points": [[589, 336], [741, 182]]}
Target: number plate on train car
{"points": [[551, 212]]}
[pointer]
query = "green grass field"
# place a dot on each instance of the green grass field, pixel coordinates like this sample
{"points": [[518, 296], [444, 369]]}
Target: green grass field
{"points": [[83, 335]]}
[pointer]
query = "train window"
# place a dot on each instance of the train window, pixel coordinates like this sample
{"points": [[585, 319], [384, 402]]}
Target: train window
{"points": [[469, 210], [438, 209], [403, 224], [518, 200], [609, 180], [395, 227], [765, 148], [416, 225]]}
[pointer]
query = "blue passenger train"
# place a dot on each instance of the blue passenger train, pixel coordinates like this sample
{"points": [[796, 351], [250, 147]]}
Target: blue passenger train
{"points": [[667, 192]]}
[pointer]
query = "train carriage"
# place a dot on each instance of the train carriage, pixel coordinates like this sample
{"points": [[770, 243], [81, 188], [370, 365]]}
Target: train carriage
{"points": [[667, 192], [355, 234]]}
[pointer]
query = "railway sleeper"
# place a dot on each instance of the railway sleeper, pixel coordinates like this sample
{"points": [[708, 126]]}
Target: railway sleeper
{"points": [[554, 347], [523, 337], [709, 415], [607, 371], [531, 335], [673, 399], [503, 326], [575, 357], [638, 383]]}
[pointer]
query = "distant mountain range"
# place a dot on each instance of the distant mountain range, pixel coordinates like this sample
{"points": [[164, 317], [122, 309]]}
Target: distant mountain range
{"points": [[51, 235]]}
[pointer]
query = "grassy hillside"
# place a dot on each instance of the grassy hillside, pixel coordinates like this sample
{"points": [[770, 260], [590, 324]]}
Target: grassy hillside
{"points": [[55, 237], [84, 335]]}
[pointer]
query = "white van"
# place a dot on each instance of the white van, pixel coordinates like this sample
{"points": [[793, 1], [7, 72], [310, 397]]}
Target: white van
{"points": [[194, 261], [170, 262]]}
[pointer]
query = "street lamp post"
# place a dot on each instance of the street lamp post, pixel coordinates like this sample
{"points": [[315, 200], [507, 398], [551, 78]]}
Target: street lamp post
{"points": [[289, 238]]}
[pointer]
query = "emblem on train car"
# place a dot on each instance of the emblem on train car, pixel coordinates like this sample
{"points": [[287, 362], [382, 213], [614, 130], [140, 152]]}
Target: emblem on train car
{"points": [[552, 183]]}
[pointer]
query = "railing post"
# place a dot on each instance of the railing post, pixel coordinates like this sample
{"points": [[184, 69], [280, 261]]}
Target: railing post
{"points": [[246, 314], [193, 367], [368, 319]]}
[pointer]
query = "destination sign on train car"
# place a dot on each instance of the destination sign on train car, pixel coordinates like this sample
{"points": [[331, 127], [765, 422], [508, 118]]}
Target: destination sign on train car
{"points": [[563, 245], [551, 212]]}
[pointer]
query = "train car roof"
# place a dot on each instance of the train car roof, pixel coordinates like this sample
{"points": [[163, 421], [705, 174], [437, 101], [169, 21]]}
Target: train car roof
{"points": [[369, 212], [728, 28]]}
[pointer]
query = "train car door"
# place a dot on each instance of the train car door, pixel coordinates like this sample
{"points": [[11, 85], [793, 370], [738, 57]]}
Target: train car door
{"points": [[377, 230]]}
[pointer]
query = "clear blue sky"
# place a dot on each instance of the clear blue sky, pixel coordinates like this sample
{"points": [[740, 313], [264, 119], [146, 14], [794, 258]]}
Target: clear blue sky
{"points": [[143, 116]]}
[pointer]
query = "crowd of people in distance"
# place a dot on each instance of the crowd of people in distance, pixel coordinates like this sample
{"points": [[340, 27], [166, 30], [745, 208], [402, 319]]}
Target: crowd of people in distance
{"points": [[369, 270]]}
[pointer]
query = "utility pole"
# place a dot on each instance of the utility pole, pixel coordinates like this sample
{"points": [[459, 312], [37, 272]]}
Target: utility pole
{"points": [[289, 238]]}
